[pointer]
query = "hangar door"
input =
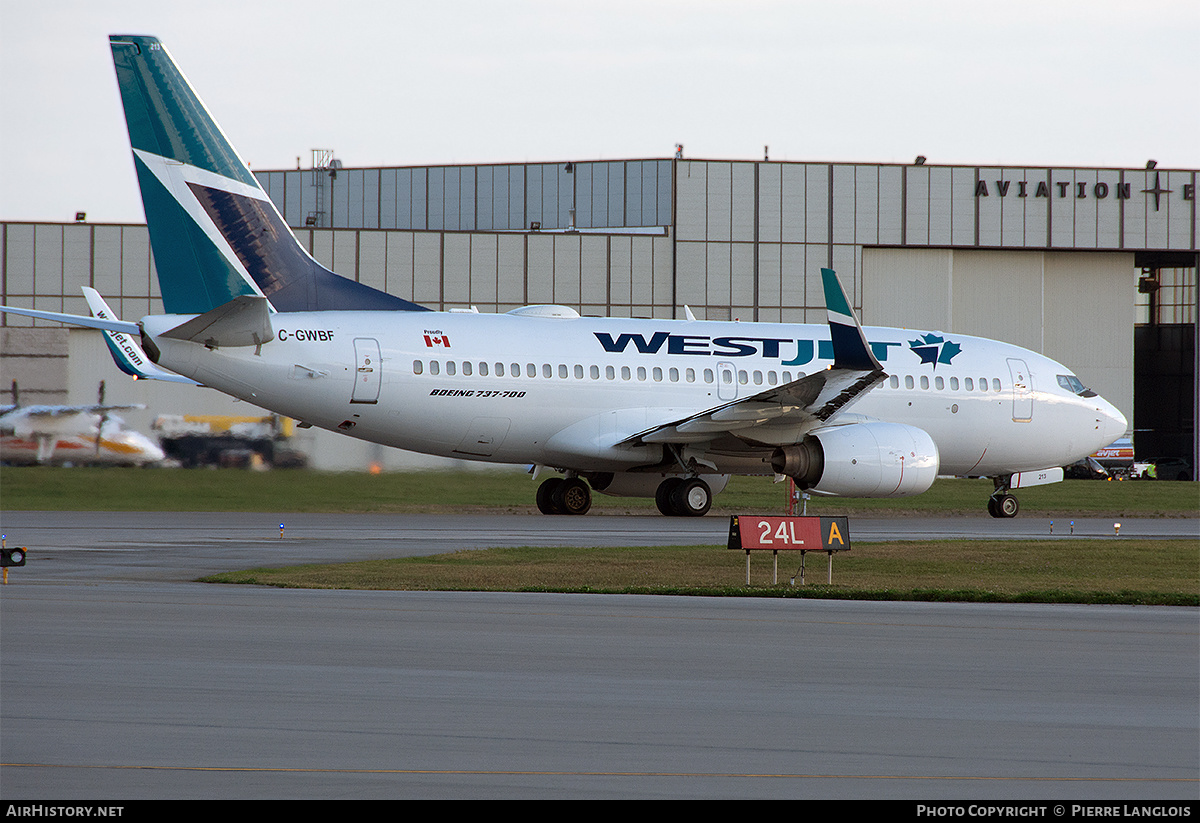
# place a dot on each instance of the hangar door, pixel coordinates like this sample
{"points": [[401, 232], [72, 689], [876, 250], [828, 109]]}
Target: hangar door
{"points": [[1076, 307]]}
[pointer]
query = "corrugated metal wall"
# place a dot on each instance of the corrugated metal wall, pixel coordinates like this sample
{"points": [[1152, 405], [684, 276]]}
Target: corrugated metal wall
{"points": [[605, 195]]}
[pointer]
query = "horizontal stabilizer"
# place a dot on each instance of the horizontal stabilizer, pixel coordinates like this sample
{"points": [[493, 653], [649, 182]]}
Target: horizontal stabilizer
{"points": [[77, 320], [243, 321]]}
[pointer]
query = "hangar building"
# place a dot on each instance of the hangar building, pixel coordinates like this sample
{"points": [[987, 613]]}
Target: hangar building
{"points": [[1094, 267]]}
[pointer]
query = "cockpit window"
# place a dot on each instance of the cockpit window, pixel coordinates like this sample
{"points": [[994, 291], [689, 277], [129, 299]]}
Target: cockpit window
{"points": [[1071, 383]]}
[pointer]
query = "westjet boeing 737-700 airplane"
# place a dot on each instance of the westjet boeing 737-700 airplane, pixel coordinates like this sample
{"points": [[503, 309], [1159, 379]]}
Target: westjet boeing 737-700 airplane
{"points": [[654, 408]]}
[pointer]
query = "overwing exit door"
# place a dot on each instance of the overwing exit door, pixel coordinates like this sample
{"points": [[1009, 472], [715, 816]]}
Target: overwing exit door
{"points": [[727, 386]]}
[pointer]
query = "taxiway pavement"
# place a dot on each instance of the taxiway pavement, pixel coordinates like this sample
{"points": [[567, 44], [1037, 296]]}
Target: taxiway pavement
{"points": [[123, 680]]}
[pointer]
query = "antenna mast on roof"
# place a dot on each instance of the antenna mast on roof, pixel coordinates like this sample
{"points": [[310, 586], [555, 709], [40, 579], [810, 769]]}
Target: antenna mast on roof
{"points": [[322, 163]]}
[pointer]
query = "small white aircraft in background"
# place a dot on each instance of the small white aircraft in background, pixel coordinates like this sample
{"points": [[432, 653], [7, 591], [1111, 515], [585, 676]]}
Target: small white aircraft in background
{"points": [[667, 409], [53, 434]]}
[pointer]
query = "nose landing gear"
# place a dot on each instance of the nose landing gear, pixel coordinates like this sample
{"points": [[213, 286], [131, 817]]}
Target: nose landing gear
{"points": [[1002, 503]]}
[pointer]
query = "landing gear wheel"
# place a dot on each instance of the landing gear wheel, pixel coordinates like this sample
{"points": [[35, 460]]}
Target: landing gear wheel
{"points": [[663, 497], [691, 498], [572, 496], [1004, 505], [545, 496]]}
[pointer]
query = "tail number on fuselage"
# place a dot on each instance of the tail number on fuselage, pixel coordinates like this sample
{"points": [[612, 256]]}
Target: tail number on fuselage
{"points": [[311, 335]]}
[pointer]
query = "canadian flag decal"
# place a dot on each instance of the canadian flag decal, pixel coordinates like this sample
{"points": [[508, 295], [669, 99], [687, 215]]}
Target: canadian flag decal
{"points": [[437, 340]]}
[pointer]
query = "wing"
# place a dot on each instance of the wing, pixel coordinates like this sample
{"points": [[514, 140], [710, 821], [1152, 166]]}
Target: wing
{"points": [[785, 413], [52, 412]]}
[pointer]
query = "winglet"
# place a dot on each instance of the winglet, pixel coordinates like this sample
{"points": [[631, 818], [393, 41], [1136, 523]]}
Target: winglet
{"points": [[125, 349], [850, 347]]}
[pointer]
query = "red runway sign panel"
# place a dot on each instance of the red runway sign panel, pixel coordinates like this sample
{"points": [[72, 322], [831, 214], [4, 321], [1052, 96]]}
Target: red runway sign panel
{"points": [[820, 534]]}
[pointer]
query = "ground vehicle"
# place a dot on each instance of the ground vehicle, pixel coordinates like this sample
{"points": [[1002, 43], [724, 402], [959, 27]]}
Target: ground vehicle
{"points": [[1170, 468]]}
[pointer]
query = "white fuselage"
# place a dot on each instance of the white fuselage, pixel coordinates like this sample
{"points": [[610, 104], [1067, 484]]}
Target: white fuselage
{"points": [[561, 391]]}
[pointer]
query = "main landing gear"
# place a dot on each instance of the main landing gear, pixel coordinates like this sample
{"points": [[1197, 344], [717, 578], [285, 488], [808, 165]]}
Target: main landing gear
{"points": [[675, 497], [683, 497], [1002, 503], [564, 495]]}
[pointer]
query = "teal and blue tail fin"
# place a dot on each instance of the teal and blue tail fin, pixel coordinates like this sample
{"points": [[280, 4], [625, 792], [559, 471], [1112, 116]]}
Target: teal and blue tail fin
{"points": [[214, 232]]}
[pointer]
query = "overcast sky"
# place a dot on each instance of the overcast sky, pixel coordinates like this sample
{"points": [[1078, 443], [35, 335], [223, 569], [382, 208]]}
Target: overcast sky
{"points": [[394, 82]]}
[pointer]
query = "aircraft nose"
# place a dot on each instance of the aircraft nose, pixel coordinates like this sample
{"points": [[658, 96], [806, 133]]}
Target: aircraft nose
{"points": [[1110, 421]]}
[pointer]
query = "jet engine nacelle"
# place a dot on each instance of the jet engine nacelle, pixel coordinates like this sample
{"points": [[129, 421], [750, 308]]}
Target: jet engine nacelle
{"points": [[874, 459]]}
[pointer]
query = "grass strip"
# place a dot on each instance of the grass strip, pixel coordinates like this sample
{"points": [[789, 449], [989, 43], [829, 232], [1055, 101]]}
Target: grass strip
{"points": [[40, 488], [1112, 571]]}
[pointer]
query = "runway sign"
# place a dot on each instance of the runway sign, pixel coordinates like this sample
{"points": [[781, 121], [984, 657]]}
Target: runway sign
{"points": [[813, 534]]}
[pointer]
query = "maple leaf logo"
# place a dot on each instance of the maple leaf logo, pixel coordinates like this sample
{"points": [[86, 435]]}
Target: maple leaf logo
{"points": [[934, 349]]}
